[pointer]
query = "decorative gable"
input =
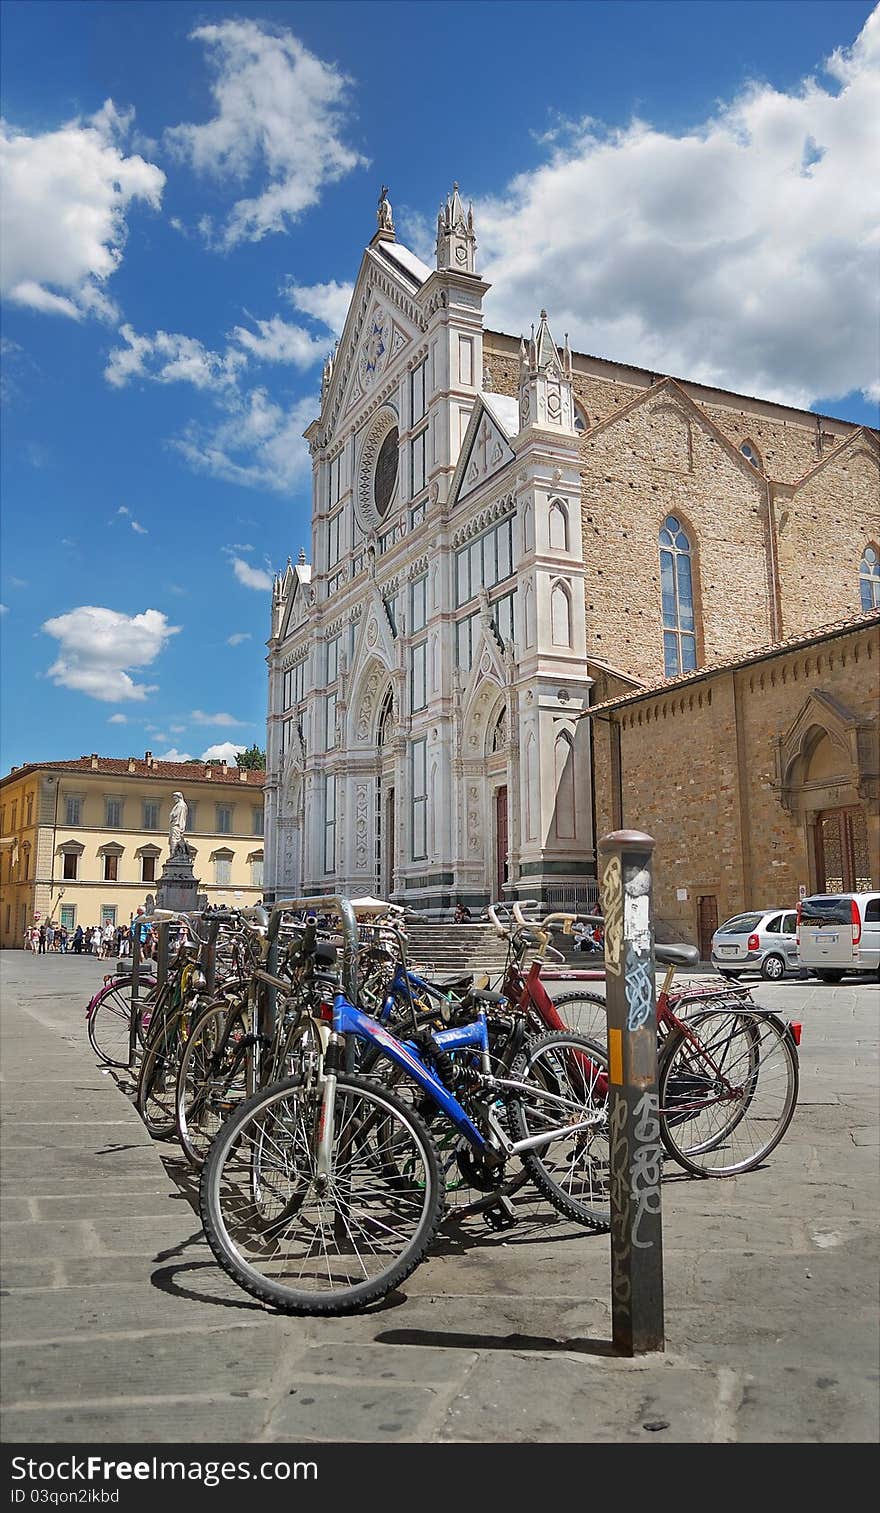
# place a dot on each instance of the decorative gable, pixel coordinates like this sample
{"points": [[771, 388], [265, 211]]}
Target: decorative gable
{"points": [[485, 451]]}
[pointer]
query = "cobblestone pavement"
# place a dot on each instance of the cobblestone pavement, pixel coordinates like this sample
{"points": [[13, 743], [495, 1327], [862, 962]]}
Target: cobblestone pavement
{"points": [[118, 1326]]}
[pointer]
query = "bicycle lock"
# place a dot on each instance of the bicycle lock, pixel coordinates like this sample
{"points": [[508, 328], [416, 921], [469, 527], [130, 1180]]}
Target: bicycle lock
{"points": [[634, 1125]]}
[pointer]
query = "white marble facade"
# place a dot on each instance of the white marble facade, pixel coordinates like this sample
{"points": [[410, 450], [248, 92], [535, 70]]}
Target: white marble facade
{"points": [[427, 667]]}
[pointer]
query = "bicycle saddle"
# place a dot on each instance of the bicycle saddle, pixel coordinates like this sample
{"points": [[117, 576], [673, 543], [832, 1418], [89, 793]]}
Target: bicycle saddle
{"points": [[325, 954], [677, 956]]}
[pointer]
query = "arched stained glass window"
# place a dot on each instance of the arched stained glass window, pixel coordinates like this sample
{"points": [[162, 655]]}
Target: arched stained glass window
{"points": [[869, 578], [677, 592]]}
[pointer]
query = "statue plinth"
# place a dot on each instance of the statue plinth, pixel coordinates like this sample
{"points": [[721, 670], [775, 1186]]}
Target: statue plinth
{"points": [[178, 887]]}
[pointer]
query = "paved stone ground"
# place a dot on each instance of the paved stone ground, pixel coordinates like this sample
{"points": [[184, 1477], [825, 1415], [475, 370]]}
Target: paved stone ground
{"points": [[118, 1326]]}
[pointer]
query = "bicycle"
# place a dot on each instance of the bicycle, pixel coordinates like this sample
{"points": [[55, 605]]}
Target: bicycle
{"points": [[108, 1017], [727, 1070], [323, 1192]]}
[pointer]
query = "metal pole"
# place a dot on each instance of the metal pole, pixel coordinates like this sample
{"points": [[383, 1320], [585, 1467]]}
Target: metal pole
{"points": [[162, 954], [209, 956], [634, 1126], [135, 1005]]}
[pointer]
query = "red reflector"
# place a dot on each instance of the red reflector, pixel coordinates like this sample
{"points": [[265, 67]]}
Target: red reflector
{"points": [[795, 1028], [325, 1012]]}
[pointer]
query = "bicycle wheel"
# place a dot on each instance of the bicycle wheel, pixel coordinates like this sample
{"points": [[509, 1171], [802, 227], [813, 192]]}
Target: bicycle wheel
{"points": [[312, 1250], [110, 1019], [157, 1078], [574, 1170], [213, 1078], [584, 1014], [727, 1091]]}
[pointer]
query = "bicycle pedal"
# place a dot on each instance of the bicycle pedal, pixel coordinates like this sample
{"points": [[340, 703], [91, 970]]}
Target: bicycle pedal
{"points": [[502, 1214]]}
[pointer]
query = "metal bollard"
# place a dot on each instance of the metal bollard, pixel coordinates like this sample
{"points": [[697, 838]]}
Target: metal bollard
{"points": [[634, 1126], [135, 1006]]}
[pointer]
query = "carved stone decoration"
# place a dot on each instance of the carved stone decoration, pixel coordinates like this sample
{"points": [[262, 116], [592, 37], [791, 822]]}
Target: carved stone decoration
{"points": [[474, 833], [361, 827]]}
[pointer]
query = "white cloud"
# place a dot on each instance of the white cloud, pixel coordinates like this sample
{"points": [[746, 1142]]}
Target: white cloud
{"points": [[259, 444], [173, 755], [741, 253], [97, 645], [279, 113], [4, 609], [224, 752], [141, 529], [170, 357], [251, 577], [276, 340], [326, 302], [238, 637], [118, 719], [199, 717], [63, 212]]}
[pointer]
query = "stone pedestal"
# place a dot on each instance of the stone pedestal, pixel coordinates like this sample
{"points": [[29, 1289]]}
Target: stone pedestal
{"points": [[178, 888]]}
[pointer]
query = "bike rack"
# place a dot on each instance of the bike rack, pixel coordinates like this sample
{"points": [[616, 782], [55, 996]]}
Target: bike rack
{"points": [[324, 904]]}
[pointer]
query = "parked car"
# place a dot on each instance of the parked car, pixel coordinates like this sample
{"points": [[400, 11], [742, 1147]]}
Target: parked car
{"points": [[838, 933], [761, 940]]}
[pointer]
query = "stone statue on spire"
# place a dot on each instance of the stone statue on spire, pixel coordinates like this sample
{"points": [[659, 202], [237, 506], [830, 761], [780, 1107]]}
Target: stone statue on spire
{"points": [[383, 212]]}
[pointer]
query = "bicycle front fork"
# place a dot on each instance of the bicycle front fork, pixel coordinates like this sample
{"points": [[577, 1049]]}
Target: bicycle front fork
{"points": [[326, 1113]]}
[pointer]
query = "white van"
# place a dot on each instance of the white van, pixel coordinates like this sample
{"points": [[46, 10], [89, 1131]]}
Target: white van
{"points": [[838, 933]]}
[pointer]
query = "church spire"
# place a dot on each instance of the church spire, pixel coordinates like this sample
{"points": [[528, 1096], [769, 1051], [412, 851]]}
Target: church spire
{"points": [[546, 391], [456, 242]]}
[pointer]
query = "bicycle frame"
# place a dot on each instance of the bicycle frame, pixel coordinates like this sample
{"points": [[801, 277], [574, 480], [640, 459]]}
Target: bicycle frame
{"points": [[348, 1020]]}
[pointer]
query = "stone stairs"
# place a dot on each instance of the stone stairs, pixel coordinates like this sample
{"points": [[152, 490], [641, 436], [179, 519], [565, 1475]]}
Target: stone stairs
{"points": [[446, 949]]}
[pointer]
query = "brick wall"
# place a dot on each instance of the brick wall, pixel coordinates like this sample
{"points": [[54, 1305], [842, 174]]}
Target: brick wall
{"points": [[698, 773]]}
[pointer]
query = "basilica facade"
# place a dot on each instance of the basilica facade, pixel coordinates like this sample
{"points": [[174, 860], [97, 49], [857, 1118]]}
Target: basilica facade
{"points": [[504, 533]]}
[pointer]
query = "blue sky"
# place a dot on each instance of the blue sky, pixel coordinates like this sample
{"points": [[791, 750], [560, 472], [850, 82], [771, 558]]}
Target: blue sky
{"points": [[187, 191]]}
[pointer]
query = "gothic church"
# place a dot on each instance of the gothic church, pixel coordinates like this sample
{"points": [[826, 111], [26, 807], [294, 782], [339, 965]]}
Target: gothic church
{"points": [[504, 533]]}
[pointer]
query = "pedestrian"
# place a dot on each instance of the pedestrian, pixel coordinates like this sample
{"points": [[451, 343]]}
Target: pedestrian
{"points": [[61, 937], [97, 940], [87, 941], [108, 937], [78, 936], [142, 931], [42, 940], [462, 914], [50, 936], [34, 940]]}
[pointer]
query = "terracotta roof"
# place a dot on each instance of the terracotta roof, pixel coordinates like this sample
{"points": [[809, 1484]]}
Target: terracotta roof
{"points": [[778, 648], [192, 772]]}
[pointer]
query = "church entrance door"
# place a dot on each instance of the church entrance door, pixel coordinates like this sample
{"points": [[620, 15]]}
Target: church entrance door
{"points": [[501, 842]]}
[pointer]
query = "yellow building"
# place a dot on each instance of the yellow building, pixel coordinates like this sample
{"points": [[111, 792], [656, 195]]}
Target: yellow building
{"points": [[84, 841]]}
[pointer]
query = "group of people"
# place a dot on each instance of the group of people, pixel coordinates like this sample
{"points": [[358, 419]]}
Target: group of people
{"points": [[46, 936]]}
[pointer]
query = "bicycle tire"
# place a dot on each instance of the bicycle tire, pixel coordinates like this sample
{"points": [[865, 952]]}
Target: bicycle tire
{"points": [[592, 1022], [157, 1078], [577, 1184], [252, 1216], [708, 1131], [109, 1020], [208, 1089]]}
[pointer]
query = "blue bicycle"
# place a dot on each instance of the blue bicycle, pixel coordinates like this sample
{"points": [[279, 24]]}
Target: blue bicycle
{"points": [[323, 1192]]}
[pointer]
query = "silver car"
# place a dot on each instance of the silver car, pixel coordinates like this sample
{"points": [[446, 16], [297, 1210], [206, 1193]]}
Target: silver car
{"points": [[762, 940]]}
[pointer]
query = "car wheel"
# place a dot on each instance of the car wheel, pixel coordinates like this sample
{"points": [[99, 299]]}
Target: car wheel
{"points": [[829, 976], [773, 968]]}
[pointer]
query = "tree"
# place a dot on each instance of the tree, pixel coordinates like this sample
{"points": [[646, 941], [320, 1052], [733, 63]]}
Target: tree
{"points": [[253, 758]]}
